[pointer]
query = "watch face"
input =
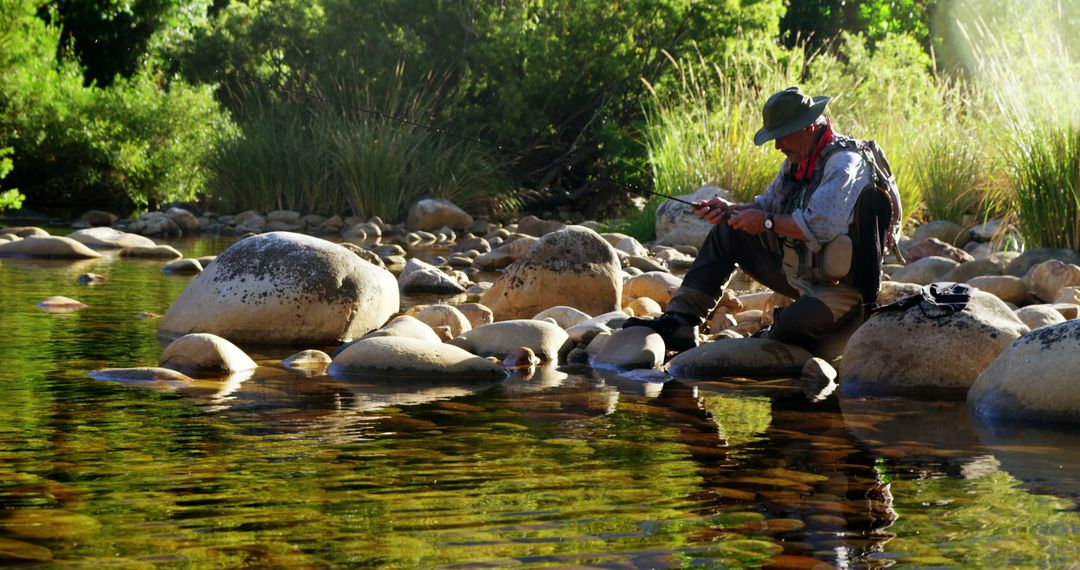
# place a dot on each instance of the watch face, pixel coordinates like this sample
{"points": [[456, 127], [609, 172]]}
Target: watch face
{"points": [[768, 223]]}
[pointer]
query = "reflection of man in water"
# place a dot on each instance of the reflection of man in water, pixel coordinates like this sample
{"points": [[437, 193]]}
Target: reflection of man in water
{"points": [[807, 474]]}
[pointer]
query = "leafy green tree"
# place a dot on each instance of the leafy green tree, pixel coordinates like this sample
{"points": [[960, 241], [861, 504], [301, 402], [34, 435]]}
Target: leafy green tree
{"points": [[820, 22], [111, 37], [10, 199]]}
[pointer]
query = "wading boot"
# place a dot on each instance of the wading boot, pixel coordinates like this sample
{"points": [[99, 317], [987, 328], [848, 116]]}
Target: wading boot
{"points": [[678, 330]]}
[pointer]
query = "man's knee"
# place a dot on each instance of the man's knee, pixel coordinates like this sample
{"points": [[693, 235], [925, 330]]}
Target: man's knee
{"points": [[803, 322]]}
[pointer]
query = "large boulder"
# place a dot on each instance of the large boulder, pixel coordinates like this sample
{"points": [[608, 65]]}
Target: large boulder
{"points": [[676, 223], [48, 246], [409, 357], [1038, 316], [108, 238], [285, 288], [744, 357], [504, 338], [1005, 287], [573, 267], [201, 354], [924, 349], [431, 214], [1037, 377]]}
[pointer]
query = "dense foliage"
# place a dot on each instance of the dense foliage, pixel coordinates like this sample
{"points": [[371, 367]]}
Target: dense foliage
{"points": [[140, 142]]}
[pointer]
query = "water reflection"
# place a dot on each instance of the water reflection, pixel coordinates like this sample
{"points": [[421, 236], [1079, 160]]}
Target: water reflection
{"points": [[555, 466]]}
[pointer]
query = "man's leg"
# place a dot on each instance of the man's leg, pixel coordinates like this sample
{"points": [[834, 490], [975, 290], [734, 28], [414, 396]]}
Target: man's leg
{"points": [[723, 248], [704, 283]]}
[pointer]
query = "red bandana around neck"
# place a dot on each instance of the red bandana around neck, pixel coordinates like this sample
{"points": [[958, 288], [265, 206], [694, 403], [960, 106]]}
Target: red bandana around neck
{"points": [[805, 169]]}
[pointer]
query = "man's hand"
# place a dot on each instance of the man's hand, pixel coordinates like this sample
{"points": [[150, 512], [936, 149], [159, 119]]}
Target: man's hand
{"points": [[715, 210], [750, 220]]}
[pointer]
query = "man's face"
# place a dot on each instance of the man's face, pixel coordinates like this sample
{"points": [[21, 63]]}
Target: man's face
{"points": [[797, 146]]}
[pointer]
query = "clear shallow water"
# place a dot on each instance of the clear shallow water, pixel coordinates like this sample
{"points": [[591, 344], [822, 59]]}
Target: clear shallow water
{"points": [[563, 468]]}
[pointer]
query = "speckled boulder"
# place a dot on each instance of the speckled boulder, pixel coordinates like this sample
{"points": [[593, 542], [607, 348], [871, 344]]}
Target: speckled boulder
{"points": [[922, 348], [201, 354], [285, 288], [48, 246], [1036, 378], [573, 267], [409, 357]]}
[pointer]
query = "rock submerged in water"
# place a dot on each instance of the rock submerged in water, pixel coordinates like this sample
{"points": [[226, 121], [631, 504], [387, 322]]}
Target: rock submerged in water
{"points": [[56, 247], [61, 304], [202, 354], [1037, 377], [409, 357], [108, 238], [285, 288]]}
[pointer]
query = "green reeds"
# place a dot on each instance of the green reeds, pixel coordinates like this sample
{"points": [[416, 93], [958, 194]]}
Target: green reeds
{"points": [[1045, 175], [327, 154]]}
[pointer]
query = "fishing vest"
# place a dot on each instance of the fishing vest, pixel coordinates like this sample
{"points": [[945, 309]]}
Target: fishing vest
{"points": [[854, 258]]}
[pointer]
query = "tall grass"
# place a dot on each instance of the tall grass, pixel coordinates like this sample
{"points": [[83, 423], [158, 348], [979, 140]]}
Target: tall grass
{"points": [[1021, 57], [351, 152], [1046, 182]]}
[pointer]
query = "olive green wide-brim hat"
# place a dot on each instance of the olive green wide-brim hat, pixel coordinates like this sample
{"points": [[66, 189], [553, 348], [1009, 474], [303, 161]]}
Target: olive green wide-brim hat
{"points": [[787, 112]]}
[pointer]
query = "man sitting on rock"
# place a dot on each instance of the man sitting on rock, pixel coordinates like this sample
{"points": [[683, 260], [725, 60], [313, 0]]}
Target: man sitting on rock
{"points": [[794, 238]]}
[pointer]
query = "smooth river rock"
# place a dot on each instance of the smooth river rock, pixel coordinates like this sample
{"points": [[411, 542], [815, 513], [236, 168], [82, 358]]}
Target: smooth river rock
{"points": [[48, 246], [431, 214], [108, 238], [505, 337], [751, 357], [923, 349], [632, 348], [285, 288], [656, 285], [1037, 377], [401, 356], [202, 353], [574, 267]]}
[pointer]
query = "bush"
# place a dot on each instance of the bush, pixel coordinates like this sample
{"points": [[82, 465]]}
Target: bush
{"points": [[141, 142], [10, 199]]}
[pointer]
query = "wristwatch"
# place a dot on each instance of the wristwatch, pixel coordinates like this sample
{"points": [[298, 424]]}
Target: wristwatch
{"points": [[769, 222]]}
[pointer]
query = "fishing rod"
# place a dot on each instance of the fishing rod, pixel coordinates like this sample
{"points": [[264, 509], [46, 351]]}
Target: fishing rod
{"points": [[471, 140]]}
